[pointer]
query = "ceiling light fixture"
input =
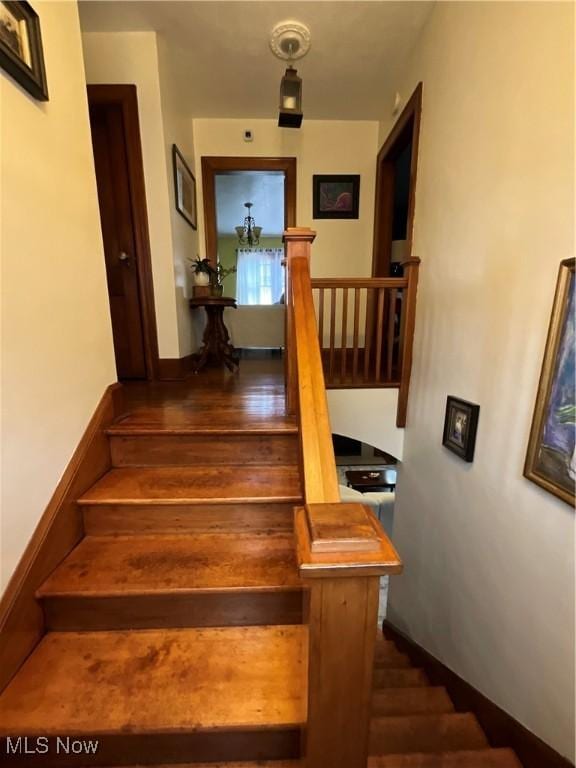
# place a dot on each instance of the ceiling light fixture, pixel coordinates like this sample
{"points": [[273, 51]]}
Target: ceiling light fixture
{"points": [[290, 40], [248, 233]]}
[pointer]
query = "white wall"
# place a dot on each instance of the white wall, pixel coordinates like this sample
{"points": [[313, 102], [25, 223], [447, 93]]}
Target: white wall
{"points": [[368, 415], [342, 248], [488, 586], [132, 58], [57, 354]]}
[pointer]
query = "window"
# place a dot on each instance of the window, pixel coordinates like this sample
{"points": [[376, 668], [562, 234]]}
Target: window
{"points": [[260, 276]]}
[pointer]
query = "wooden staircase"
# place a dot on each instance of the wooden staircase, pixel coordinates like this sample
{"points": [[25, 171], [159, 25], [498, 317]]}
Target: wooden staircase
{"points": [[176, 625], [180, 630]]}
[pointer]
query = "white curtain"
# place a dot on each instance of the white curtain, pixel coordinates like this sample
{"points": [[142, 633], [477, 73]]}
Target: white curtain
{"points": [[260, 275]]}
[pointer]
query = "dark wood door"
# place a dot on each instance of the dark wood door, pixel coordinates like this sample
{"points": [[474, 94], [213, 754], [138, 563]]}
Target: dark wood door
{"points": [[112, 177]]}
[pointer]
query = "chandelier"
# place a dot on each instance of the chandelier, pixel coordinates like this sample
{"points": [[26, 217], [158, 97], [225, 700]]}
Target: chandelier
{"points": [[248, 233]]}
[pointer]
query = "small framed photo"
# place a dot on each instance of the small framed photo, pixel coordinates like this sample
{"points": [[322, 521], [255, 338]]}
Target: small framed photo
{"points": [[184, 188], [21, 54], [460, 425], [336, 197]]}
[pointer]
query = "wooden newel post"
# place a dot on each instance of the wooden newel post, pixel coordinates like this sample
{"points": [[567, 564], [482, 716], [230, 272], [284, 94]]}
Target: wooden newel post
{"points": [[342, 552], [298, 241]]}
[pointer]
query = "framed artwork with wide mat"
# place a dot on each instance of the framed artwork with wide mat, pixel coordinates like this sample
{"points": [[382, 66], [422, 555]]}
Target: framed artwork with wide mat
{"points": [[460, 425]]}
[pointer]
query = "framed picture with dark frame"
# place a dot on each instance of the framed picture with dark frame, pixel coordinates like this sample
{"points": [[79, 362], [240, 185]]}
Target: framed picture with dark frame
{"points": [[184, 188], [460, 425], [550, 458], [335, 196], [21, 54]]}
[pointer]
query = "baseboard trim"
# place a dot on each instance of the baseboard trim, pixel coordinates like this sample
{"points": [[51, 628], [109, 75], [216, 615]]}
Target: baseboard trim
{"points": [[57, 533], [175, 368], [501, 728]]}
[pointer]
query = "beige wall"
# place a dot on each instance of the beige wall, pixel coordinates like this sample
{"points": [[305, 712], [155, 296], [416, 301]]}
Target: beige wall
{"points": [[488, 585], [139, 58], [178, 130], [342, 248], [57, 355]]}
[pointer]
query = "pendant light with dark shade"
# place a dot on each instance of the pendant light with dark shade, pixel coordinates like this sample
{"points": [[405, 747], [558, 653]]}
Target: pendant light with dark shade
{"points": [[290, 40], [290, 115]]}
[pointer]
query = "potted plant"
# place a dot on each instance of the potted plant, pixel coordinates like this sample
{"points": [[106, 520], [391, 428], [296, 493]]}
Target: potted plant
{"points": [[219, 274], [203, 271]]}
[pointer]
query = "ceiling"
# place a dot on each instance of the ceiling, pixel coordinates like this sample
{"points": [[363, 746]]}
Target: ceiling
{"points": [[224, 67], [263, 188]]}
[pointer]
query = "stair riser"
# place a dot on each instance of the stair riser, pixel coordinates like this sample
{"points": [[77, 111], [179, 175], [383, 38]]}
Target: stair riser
{"points": [[236, 609], [394, 702], [190, 450], [112, 519], [166, 748], [399, 678], [392, 660]]}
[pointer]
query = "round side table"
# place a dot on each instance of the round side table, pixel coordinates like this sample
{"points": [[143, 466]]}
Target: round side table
{"points": [[216, 344]]}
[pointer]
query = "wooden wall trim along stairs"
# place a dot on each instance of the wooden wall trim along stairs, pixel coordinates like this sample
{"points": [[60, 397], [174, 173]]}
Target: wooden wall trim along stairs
{"points": [[501, 728], [59, 530], [175, 368]]}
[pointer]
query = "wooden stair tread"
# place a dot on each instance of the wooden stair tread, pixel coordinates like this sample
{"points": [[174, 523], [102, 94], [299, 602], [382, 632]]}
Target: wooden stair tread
{"points": [[426, 733], [241, 415], [411, 701], [121, 565], [181, 485], [159, 680], [485, 758]]}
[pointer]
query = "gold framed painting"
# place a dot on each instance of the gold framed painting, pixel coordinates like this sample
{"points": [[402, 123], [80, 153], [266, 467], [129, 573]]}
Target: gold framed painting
{"points": [[550, 459]]}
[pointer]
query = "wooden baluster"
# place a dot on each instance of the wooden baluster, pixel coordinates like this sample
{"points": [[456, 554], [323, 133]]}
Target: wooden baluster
{"points": [[355, 339], [343, 341], [368, 333], [341, 552], [390, 334], [408, 321], [332, 334], [379, 334], [321, 319]]}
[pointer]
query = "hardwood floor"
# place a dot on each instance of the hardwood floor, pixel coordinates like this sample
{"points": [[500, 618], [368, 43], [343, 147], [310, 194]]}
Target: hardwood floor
{"points": [[177, 626]]}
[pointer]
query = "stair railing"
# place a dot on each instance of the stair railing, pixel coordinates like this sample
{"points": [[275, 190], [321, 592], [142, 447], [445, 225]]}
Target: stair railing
{"points": [[341, 549], [365, 330]]}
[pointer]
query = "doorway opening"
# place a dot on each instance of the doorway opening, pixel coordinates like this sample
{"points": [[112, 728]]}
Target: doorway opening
{"points": [[248, 203], [121, 195], [395, 191]]}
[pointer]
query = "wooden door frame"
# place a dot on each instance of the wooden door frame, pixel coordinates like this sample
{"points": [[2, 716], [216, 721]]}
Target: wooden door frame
{"points": [[214, 165], [125, 96], [407, 126]]}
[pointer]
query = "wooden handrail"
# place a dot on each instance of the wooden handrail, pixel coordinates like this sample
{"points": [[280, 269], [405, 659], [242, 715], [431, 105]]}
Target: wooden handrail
{"points": [[359, 282], [341, 549], [318, 465]]}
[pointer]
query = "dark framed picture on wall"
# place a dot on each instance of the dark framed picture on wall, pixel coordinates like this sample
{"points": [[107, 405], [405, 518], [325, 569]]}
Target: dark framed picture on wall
{"points": [[21, 54], [550, 459], [460, 425], [335, 196], [184, 188]]}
